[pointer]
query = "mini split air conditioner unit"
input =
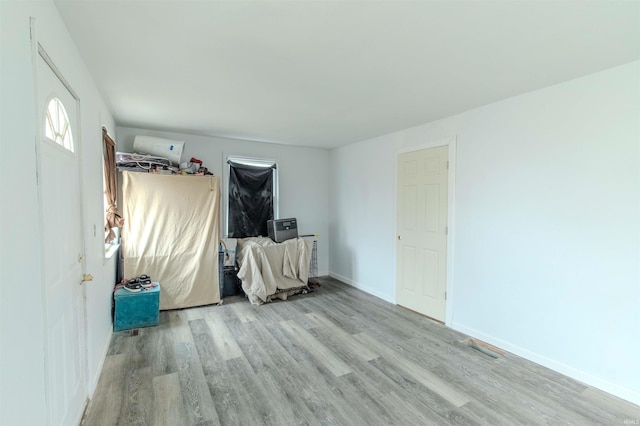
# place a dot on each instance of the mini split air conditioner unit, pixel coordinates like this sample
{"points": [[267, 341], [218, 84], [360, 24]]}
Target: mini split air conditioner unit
{"points": [[159, 147]]}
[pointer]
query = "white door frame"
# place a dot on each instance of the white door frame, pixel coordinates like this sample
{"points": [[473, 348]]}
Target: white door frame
{"points": [[37, 51], [451, 142]]}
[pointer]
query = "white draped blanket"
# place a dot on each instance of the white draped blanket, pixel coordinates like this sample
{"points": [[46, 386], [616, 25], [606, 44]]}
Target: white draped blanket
{"points": [[268, 268]]}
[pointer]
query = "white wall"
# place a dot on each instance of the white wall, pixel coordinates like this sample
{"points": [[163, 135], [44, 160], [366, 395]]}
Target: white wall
{"points": [[22, 382], [362, 213], [302, 176], [547, 224]]}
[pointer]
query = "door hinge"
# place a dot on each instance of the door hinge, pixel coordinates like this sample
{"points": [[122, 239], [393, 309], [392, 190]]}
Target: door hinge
{"points": [[446, 230], [447, 165], [445, 295]]}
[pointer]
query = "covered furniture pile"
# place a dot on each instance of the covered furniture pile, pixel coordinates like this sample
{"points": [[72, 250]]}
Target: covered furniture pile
{"points": [[271, 270]]}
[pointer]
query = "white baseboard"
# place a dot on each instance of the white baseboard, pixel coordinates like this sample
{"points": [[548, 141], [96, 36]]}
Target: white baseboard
{"points": [[630, 395], [93, 383], [364, 288]]}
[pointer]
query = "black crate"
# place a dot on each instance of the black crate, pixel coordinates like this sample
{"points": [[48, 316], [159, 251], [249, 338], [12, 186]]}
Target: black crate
{"points": [[231, 284]]}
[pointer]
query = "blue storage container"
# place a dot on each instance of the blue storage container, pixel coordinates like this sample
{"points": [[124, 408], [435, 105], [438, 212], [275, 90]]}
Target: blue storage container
{"points": [[136, 310]]}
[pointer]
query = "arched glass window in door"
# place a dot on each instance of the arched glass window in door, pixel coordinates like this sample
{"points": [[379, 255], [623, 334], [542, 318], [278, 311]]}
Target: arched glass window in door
{"points": [[57, 126]]}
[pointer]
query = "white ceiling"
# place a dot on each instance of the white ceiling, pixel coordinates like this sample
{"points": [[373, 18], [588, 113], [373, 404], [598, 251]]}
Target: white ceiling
{"points": [[329, 73]]}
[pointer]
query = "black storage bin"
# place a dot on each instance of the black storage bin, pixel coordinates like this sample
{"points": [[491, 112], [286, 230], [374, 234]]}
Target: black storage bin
{"points": [[228, 278], [231, 284]]}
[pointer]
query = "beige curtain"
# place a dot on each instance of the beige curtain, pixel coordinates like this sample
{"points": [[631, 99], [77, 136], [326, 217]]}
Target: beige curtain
{"points": [[114, 217], [171, 232]]}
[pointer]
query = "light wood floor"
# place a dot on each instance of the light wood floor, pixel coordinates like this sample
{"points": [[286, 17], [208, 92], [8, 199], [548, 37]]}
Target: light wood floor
{"points": [[335, 356]]}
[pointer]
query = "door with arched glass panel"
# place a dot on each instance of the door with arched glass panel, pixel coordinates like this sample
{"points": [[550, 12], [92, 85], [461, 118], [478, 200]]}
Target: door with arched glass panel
{"points": [[62, 247]]}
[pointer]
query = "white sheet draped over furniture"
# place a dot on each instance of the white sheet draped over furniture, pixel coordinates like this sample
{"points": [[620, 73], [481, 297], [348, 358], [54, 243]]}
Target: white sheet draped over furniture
{"points": [[171, 233], [269, 269]]}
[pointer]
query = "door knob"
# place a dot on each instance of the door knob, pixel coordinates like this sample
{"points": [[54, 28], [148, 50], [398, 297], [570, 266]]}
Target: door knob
{"points": [[87, 277], [399, 238]]}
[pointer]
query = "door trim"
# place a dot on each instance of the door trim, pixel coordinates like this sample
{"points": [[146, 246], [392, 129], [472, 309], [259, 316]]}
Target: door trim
{"points": [[451, 142]]}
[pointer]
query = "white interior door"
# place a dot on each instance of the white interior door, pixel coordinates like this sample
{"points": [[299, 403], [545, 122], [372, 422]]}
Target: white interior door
{"points": [[421, 250], [61, 221]]}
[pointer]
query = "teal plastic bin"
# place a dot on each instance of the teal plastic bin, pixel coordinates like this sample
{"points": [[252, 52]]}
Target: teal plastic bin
{"points": [[136, 310]]}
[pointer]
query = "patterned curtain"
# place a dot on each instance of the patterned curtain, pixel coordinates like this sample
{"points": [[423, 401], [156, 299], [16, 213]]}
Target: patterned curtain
{"points": [[114, 217]]}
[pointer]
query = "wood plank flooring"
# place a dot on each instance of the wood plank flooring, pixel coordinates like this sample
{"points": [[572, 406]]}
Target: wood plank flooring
{"points": [[336, 356]]}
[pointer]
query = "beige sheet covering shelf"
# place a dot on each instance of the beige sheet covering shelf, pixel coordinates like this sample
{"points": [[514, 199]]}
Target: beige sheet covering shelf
{"points": [[268, 269], [171, 233]]}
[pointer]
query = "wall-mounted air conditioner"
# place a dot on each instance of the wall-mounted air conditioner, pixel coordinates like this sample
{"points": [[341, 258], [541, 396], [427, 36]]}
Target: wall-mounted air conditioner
{"points": [[159, 147]]}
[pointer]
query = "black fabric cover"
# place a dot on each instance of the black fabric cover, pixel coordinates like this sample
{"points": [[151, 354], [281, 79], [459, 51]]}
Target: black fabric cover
{"points": [[250, 200]]}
